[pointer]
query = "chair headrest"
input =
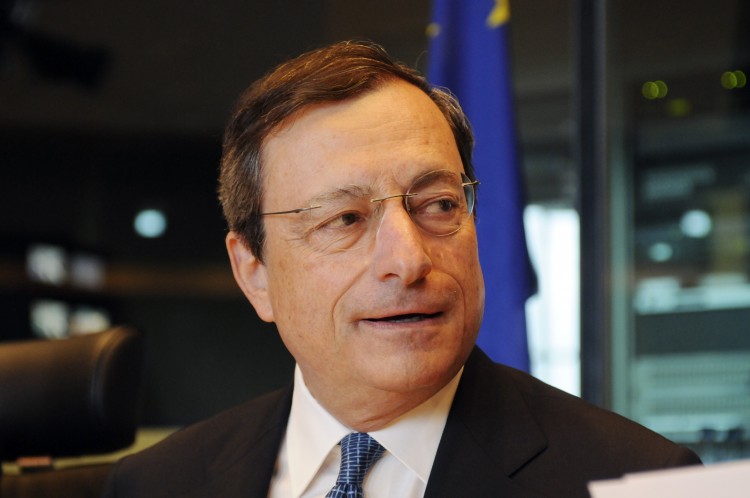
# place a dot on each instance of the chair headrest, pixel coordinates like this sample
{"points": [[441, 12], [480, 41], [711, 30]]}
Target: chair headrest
{"points": [[69, 397]]}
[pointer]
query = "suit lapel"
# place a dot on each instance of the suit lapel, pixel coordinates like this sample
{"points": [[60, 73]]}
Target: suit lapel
{"points": [[489, 435]]}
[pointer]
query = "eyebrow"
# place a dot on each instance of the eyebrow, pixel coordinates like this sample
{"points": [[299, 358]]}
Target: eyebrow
{"points": [[358, 191], [347, 192], [438, 173]]}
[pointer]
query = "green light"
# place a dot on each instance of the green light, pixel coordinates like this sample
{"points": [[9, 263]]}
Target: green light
{"points": [[733, 79], [729, 80], [661, 88], [650, 90], [654, 89], [679, 108], [741, 78]]}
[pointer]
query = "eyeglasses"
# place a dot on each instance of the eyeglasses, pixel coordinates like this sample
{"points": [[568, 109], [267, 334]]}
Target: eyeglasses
{"points": [[438, 202]]}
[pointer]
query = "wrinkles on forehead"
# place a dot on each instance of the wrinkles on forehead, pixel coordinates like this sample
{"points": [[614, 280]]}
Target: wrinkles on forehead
{"points": [[347, 192]]}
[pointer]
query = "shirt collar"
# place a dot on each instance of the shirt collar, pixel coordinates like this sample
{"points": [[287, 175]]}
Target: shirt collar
{"points": [[414, 437], [312, 432]]}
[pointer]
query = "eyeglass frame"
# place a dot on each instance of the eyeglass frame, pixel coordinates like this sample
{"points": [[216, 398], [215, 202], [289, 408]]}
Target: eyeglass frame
{"points": [[465, 182]]}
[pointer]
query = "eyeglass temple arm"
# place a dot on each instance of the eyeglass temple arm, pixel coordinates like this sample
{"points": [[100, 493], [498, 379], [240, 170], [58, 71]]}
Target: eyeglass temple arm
{"points": [[381, 199], [290, 211]]}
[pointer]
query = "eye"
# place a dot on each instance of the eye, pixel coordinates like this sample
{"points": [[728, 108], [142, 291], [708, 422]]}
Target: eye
{"points": [[442, 206], [342, 221], [436, 205]]}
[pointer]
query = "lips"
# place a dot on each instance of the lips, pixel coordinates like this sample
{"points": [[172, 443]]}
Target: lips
{"points": [[406, 318]]}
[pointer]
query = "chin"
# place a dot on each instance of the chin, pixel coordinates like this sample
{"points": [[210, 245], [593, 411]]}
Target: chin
{"points": [[412, 374]]}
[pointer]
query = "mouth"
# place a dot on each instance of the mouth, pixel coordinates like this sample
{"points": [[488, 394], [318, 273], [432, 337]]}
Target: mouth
{"points": [[406, 318]]}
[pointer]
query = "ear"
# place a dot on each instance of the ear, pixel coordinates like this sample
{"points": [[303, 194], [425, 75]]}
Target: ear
{"points": [[251, 275]]}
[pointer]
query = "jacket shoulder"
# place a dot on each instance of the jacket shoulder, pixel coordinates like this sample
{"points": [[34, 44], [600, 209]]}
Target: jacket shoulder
{"points": [[191, 457], [599, 436], [543, 440], [586, 443]]}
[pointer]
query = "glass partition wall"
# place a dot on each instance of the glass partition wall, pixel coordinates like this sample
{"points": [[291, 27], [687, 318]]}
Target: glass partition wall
{"points": [[677, 113]]}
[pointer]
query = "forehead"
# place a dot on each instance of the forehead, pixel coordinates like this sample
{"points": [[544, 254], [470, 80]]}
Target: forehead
{"points": [[387, 136]]}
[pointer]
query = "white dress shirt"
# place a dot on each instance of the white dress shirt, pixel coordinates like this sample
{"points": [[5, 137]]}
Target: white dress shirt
{"points": [[309, 458]]}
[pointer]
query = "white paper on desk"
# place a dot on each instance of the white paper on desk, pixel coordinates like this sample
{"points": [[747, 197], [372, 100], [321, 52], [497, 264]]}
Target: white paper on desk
{"points": [[723, 480]]}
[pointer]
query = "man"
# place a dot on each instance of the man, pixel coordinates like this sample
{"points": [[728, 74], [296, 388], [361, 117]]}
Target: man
{"points": [[348, 188]]}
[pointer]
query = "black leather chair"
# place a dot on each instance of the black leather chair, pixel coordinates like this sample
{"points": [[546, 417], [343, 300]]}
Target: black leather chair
{"points": [[66, 398]]}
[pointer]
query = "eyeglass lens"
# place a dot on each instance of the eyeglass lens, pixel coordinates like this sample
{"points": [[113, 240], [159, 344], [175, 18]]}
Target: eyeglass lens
{"points": [[438, 203]]}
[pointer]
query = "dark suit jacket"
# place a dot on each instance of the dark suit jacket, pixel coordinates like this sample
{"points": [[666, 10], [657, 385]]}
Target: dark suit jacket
{"points": [[507, 435]]}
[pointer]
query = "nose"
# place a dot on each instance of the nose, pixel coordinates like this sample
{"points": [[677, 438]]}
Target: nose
{"points": [[399, 246]]}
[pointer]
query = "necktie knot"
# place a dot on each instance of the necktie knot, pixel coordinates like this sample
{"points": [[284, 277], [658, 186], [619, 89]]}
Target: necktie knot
{"points": [[358, 452]]}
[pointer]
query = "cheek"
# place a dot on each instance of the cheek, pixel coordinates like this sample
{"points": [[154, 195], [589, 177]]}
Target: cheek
{"points": [[462, 262], [286, 286], [306, 289], [475, 279], [299, 308], [478, 312]]}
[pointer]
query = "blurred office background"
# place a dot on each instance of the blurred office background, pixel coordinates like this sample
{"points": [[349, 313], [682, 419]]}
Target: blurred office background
{"points": [[635, 131]]}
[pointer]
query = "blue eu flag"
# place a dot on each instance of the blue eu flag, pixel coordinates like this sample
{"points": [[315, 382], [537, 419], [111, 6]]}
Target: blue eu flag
{"points": [[469, 55]]}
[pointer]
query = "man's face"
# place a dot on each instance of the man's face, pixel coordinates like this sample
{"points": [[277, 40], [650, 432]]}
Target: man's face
{"points": [[399, 311]]}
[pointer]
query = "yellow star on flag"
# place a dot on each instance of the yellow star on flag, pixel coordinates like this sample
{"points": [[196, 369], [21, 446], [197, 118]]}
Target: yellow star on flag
{"points": [[500, 13]]}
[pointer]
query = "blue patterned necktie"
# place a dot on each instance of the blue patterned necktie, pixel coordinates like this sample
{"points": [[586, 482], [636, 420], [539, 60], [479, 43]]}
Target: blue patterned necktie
{"points": [[358, 452]]}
